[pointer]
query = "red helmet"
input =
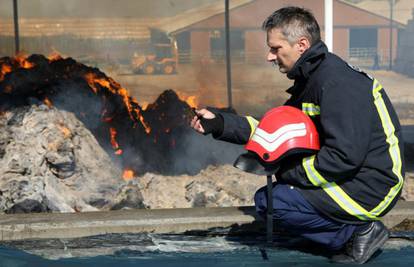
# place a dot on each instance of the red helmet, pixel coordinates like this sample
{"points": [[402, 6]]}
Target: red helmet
{"points": [[283, 131]]}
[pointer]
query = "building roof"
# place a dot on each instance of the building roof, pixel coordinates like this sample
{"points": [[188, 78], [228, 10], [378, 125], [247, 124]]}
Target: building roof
{"points": [[99, 8], [403, 9], [97, 28], [192, 16], [115, 28], [138, 28]]}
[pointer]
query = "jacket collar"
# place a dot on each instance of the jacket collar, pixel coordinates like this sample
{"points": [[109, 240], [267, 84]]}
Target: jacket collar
{"points": [[308, 62]]}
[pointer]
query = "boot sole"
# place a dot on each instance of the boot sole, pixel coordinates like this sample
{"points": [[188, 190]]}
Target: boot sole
{"points": [[379, 243]]}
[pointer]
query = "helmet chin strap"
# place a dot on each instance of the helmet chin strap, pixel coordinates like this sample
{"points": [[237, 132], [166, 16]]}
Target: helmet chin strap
{"points": [[269, 216], [283, 132]]}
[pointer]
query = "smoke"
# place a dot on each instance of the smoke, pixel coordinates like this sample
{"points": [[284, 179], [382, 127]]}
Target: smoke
{"points": [[71, 97], [198, 151], [157, 139], [99, 8]]}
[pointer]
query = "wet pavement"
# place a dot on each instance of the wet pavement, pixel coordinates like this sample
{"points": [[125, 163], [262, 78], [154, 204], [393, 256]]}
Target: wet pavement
{"points": [[181, 250]]}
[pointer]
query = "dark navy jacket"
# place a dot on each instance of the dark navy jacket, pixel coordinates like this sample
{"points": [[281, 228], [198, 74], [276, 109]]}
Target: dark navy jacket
{"points": [[358, 173]]}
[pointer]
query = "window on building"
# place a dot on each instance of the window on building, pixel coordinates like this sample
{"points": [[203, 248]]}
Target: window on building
{"points": [[363, 42], [184, 46], [218, 44]]}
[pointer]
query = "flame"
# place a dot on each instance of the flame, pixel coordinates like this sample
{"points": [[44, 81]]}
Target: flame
{"points": [[47, 102], [144, 105], [124, 93], [115, 88], [90, 79], [128, 175], [23, 62], [65, 130], [104, 83], [192, 100], [146, 127], [4, 70], [54, 56], [114, 143]]}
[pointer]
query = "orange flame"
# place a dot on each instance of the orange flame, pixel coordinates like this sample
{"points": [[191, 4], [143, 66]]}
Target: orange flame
{"points": [[128, 175], [144, 105], [4, 70], [146, 127], [114, 143], [90, 79], [115, 88], [54, 56], [65, 130], [192, 100], [124, 93], [23, 62], [47, 102]]}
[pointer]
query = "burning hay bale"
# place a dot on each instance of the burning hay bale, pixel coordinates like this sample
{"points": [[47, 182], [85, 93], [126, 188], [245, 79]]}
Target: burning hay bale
{"points": [[69, 134], [155, 139]]}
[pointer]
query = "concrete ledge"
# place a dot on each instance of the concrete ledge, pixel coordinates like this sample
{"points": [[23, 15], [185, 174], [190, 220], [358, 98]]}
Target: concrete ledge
{"points": [[72, 225]]}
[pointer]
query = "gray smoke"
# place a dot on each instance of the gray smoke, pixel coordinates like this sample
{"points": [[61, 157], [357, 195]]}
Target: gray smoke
{"points": [[199, 151], [98, 8]]}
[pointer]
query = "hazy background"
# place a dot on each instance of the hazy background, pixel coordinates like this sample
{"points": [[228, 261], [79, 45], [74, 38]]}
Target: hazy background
{"points": [[109, 34]]}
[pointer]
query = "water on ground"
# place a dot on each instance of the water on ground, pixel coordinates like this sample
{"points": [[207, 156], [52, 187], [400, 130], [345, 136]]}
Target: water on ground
{"points": [[174, 250]]}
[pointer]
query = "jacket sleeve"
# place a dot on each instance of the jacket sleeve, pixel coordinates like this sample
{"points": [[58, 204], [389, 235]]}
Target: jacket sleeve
{"points": [[237, 129], [346, 116]]}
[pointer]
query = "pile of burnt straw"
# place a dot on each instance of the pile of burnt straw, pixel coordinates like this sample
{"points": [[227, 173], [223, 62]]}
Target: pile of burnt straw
{"points": [[155, 139], [69, 133]]}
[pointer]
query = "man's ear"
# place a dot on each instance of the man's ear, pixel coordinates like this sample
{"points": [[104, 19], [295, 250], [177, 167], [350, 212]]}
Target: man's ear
{"points": [[303, 44]]}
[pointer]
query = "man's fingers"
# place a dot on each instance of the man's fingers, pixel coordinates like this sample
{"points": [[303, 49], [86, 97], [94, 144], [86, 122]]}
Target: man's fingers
{"points": [[205, 113], [196, 125], [201, 114], [193, 121]]}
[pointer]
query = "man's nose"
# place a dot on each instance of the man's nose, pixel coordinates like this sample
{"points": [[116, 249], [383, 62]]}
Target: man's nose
{"points": [[271, 57]]}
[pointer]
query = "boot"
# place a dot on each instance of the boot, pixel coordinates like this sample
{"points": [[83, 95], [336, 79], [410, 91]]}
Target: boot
{"points": [[363, 244]]}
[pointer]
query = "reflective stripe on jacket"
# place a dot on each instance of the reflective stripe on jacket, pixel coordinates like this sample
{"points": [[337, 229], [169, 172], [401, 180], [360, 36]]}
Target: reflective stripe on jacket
{"points": [[358, 173]]}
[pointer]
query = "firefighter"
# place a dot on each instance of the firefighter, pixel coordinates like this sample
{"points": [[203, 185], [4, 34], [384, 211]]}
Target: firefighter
{"points": [[336, 196]]}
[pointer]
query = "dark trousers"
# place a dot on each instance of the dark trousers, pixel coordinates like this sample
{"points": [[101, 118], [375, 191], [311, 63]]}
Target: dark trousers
{"points": [[295, 214]]}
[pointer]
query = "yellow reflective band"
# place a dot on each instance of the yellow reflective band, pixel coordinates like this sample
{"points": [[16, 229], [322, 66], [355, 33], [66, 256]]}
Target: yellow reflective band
{"points": [[393, 150], [253, 124], [311, 109], [335, 191]]}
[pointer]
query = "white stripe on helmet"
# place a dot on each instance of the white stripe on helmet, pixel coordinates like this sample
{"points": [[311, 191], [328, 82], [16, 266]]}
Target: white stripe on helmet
{"points": [[271, 141]]}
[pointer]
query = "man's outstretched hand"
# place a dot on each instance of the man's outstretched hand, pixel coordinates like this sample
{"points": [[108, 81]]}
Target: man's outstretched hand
{"points": [[202, 114]]}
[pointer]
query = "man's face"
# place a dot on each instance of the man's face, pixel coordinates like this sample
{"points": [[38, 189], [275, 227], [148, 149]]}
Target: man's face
{"points": [[281, 52]]}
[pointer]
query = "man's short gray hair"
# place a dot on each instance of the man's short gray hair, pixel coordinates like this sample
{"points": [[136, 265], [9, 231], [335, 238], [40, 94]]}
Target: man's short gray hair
{"points": [[294, 22]]}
